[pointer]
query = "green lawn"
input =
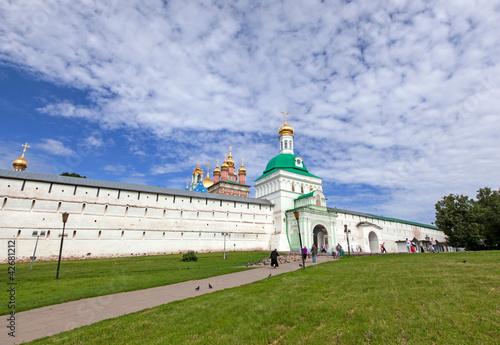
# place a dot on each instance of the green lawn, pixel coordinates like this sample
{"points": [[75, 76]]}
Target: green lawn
{"points": [[89, 278], [390, 299]]}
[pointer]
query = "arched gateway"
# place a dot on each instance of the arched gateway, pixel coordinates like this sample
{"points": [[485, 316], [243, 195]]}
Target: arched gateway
{"points": [[320, 236], [373, 238]]}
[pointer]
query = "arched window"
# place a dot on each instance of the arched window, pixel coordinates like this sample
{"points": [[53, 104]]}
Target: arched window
{"points": [[286, 144], [293, 187]]}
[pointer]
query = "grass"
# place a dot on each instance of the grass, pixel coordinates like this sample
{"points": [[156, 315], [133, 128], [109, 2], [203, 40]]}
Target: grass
{"points": [[89, 278], [391, 299]]}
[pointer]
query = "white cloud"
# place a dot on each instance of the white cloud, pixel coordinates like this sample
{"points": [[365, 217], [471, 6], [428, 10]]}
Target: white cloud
{"points": [[394, 95], [55, 147]]}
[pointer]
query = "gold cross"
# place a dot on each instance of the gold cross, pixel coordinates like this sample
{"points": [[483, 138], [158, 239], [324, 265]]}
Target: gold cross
{"points": [[208, 168], [230, 148], [25, 147], [285, 113]]}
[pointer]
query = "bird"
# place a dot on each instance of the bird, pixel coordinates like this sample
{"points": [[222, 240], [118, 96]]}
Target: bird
{"points": [[464, 261], [269, 275], [197, 288], [210, 286]]}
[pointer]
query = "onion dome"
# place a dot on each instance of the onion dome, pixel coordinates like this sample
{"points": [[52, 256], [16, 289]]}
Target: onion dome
{"points": [[230, 161], [225, 165], [242, 170], [285, 129], [207, 182], [21, 164], [197, 170], [217, 169]]}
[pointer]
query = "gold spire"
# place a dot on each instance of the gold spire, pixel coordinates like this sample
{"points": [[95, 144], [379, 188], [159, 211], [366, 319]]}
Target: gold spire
{"points": [[207, 181], [285, 129], [242, 169], [21, 164], [230, 161], [208, 168], [285, 113], [197, 170], [217, 170], [225, 166]]}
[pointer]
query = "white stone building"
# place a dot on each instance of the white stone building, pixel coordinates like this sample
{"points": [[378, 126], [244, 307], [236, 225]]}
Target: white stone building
{"points": [[110, 218]]}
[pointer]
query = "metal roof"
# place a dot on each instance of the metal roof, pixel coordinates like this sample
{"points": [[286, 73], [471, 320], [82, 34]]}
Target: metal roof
{"points": [[285, 161], [367, 215], [76, 181]]}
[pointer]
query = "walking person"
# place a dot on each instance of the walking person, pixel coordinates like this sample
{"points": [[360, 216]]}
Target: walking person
{"points": [[314, 252], [304, 253], [274, 258], [408, 245], [382, 248]]}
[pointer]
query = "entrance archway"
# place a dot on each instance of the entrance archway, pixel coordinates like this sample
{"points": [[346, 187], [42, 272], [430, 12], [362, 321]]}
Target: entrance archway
{"points": [[373, 239], [320, 236]]}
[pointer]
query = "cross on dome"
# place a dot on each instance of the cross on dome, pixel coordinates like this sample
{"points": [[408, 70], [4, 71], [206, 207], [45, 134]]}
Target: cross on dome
{"points": [[285, 113], [25, 147]]}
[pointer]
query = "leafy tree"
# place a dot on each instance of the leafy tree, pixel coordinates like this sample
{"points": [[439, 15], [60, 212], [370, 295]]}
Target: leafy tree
{"points": [[488, 203], [464, 221], [455, 217], [72, 175]]}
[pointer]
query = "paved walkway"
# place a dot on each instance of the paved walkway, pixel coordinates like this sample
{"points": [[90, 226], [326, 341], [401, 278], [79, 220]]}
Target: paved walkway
{"points": [[46, 321]]}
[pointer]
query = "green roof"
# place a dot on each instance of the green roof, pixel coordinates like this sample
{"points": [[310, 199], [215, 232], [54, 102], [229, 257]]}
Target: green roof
{"points": [[285, 161], [367, 215], [305, 196]]}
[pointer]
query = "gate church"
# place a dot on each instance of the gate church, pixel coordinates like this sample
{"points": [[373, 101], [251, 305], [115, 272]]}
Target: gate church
{"points": [[114, 219]]}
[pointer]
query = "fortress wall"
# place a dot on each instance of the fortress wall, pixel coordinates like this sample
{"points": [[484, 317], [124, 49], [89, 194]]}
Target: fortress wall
{"points": [[386, 230], [108, 222]]}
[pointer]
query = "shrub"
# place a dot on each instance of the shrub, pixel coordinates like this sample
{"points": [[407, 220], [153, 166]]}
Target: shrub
{"points": [[190, 256]]}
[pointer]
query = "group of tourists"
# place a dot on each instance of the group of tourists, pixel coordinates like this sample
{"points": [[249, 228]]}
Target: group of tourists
{"points": [[337, 252]]}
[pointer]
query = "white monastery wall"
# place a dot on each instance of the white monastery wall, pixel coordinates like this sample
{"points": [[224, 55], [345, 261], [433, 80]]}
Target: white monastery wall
{"points": [[106, 221], [386, 230]]}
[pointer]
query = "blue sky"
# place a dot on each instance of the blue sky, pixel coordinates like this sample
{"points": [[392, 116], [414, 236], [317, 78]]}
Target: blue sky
{"points": [[394, 103]]}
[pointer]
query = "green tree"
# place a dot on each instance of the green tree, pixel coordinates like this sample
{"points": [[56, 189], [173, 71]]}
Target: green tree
{"points": [[456, 216], [488, 215], [72, 175]]}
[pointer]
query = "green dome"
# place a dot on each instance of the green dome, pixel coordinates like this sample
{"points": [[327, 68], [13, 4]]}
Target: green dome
{"points": [[286, 161]]}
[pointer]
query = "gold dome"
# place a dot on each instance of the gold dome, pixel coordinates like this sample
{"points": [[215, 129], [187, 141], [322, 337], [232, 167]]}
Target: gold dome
{"points": [[207, 182], [197, 170], [242, 170], [217, 170], [285, 129], [230, 160], [20, 164], [225, 166]]}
